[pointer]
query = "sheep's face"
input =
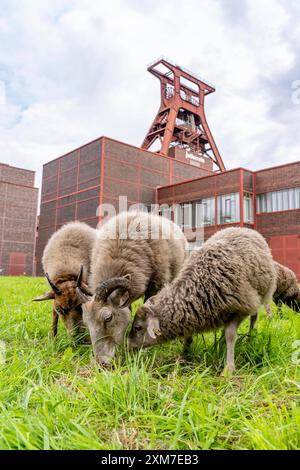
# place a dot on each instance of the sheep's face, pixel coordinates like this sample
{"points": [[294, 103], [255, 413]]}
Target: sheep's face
{"points": [[107, 316], [67, 306], [145, 329], [107, 324]]}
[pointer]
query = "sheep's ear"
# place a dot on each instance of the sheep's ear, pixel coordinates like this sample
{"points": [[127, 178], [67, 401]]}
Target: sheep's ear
{"points": [[48, 296], [153, 327]]}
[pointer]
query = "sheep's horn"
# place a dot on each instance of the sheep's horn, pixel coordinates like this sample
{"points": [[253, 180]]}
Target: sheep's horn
{"points": [[56, 290], [104, 290], [79, 279]]}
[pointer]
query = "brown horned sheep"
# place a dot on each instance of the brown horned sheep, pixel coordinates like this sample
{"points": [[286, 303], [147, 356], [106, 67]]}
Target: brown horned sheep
{"points": [[68, 249]]}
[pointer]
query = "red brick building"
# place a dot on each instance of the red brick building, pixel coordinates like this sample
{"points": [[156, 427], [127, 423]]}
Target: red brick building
{"points": [[267, 200], [18, 211]]}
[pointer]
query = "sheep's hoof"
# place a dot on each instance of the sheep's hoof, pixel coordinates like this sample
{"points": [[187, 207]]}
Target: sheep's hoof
{"points": [[228, 372]]}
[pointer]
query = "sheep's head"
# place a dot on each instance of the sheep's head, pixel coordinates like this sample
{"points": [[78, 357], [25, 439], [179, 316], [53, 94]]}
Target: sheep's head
{"points": [[107, 316], [145, 329], [67, 303]]}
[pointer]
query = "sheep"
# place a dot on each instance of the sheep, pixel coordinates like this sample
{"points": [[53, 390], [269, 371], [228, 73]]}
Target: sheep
{"points": [[219, 286], [135, 254], [67, 250], [287, 291]]}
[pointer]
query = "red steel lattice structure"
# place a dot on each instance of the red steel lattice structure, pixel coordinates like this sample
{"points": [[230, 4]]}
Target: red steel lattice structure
{"points": [[181, 120]]}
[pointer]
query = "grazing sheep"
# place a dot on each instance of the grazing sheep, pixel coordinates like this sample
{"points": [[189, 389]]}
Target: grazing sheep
{"points": [[66, 252], [219, 286], [287, 291], [135, 254]]}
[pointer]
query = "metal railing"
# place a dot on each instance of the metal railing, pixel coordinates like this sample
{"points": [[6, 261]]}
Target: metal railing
{"points": [[192, 74]]}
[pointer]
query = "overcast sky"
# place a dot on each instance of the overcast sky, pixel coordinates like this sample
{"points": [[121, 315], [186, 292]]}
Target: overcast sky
{"points": [[73, 70]]}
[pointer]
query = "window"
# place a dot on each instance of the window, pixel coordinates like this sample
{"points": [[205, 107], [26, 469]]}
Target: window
{"points": [[183, 215], [166, 211], [228, 208], [275, 201], [248, 208], [205, 212], [195, 214]]}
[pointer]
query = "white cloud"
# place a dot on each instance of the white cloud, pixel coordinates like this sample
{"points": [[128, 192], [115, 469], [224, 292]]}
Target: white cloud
{"points": [[74, 70]]}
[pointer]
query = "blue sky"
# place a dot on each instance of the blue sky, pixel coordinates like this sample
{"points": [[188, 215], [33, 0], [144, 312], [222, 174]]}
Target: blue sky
{"points": [[73, 70]]}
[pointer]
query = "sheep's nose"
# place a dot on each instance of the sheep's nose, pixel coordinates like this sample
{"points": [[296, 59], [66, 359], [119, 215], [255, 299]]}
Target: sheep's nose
{"points": [[104, 361]]}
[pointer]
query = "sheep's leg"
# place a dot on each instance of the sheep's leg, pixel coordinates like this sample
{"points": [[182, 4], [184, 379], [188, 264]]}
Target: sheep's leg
{"points": [[54, 322], [187, 342], [230, 336], [269, 311], [253, 320]]}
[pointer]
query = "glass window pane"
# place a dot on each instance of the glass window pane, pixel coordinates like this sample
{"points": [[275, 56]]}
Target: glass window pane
{"points": [[187, 215], [292, 204], [228, 208], [166, 212], [285, 200], [297, 198], [248, 208], [258, 203], [199, 214], [274, 201], [279, 200], [269, 202], [263, 203], [178, 215]]}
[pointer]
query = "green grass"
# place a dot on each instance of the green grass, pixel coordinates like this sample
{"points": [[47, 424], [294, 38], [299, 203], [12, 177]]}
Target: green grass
{"points": [[52, 396]]}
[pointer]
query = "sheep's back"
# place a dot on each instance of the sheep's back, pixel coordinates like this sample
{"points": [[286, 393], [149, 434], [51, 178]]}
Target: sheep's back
{"points": [[149, 247], [67, 249], [227, 275]]}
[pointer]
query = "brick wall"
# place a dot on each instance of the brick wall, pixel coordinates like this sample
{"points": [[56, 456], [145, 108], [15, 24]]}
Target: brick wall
{"points": [[224, 183], [14, 175], [18, 211], [280, 177]]}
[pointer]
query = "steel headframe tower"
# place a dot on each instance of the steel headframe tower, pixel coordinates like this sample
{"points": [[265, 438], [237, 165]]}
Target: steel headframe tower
{"points": [[181, 119]]}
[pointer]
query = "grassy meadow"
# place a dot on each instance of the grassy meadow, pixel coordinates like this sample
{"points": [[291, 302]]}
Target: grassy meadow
{"points": [[53, 396]]}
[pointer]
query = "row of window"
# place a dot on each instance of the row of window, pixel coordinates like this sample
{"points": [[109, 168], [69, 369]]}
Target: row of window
{"points": [[202, 212], [274, 201]]}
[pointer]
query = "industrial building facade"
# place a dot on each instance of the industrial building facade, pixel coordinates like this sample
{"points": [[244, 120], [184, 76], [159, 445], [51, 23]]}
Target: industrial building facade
{"points": [[76, 186], [18, 212], [267, 200]]}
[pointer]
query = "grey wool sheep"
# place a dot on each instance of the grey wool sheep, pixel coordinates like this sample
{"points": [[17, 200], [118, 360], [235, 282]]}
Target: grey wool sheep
{"points": [[135, 254], [287, 291], [67, 250], [219, 286]]}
